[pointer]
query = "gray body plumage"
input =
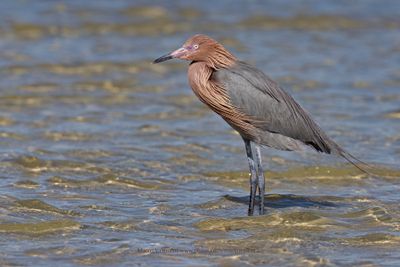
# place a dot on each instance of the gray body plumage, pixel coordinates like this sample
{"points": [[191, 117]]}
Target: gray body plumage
{"points": [[281, 122]]}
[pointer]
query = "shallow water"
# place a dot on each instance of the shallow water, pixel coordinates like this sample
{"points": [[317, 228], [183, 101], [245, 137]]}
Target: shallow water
{"points": [[107, 159]]}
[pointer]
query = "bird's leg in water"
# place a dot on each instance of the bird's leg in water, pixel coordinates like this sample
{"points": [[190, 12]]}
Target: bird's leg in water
{"points": [[260, 179], [253, 176]]}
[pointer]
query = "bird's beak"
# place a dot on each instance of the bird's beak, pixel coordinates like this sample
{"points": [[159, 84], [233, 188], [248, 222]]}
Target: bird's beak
{"points": [[175, 54]]}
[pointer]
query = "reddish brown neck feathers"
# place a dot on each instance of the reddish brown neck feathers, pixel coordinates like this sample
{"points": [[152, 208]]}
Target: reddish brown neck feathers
{"points": [[213, 94]]}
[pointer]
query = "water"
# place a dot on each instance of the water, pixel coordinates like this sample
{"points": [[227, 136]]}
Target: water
{"points": [[107, 159]]}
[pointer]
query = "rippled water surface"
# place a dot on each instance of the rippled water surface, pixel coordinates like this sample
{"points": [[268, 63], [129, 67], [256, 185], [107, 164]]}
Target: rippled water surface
{"points": [[107, 159]]}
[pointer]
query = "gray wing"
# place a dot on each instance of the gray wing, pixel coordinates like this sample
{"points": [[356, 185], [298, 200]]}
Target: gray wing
{"points": [[284, 123]]}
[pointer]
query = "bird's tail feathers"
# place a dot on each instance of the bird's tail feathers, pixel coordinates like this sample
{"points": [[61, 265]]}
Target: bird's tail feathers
{"points": [[359, 164]]}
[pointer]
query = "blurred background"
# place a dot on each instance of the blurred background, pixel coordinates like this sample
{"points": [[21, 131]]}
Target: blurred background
{"points": [[106, 158]]}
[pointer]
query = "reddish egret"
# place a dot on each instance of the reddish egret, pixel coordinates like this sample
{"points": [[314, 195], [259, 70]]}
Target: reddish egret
{"points": [[253, 104]]}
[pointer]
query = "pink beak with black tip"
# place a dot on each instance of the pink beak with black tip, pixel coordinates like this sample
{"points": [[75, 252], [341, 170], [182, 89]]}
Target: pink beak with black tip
{"points": [[175, 54]]}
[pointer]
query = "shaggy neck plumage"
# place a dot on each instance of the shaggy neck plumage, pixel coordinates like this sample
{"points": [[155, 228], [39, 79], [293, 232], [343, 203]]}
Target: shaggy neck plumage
{"points": [[219, 58]]}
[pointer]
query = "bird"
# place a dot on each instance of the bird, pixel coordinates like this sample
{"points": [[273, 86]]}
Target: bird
{"points": [[254, 105]]}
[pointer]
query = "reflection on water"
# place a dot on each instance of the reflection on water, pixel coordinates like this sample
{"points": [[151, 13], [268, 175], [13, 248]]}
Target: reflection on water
{"points": [[109, 159]]}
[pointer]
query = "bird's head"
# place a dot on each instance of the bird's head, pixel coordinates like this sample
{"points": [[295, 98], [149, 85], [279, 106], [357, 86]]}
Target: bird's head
{"points": [[201, 48]]}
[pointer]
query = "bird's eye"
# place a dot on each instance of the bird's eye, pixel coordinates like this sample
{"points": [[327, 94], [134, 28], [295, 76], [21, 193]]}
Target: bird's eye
{"points": [[195, 46]]}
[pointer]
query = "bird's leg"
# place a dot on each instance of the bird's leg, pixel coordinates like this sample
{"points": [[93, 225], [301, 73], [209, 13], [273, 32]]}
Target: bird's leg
{"points": [[260, 179], [253, 176]]}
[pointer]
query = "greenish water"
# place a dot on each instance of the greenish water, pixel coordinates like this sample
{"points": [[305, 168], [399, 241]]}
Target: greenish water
{"points": [[107, 159]]}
